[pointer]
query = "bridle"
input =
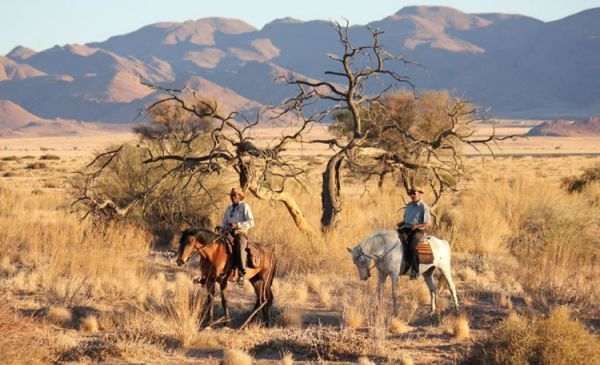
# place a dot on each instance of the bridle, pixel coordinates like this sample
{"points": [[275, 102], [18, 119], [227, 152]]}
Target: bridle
{"points": [[197, 246], [376, 259]]}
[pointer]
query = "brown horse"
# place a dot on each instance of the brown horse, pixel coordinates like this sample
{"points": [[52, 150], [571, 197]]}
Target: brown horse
{"points": [[217, 267]]}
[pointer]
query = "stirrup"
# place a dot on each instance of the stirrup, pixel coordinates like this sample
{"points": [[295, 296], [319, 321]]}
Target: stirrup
{"points": [[414, 275]]}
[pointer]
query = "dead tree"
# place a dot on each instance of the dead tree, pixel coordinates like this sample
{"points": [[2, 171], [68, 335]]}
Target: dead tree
{"points": [[180, 152], [373, 142]]}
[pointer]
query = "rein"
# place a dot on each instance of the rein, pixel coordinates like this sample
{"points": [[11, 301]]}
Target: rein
{"points": [[376, 259]]}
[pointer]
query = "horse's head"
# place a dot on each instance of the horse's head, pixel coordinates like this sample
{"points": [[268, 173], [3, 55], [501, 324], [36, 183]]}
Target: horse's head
{"points": [[362, 262], [186, 247], [192, 239]]}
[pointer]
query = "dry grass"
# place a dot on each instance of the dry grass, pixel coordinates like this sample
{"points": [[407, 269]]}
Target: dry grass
{"points": [[504, 301], [353, 318], [59, 315], [75, 261], [146, 309], [461, 327], [406, 360], [364, 361], [287, 359], [180, 312], [554, 340], [398, 327], [467, 274], [423, 295], [291, 317], [20, 340], [236, 357], [89, 324]]}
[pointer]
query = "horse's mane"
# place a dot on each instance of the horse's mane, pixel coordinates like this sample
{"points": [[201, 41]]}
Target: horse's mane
{"points": [[200, 233], [379, 238]]}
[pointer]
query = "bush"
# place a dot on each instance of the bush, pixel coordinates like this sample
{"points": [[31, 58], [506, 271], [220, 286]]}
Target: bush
{"points": [[49, 157], [577, 184], [36, 166], [554, 340], [179, 202]]}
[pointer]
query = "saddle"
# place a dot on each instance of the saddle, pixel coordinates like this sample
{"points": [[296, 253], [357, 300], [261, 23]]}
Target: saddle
{"points": [[423, 249], [424, 252], [253, 250]]}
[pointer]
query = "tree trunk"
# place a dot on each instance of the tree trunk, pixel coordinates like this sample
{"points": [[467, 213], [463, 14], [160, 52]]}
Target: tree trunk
{"points": [[247, 177], [330, 194], [288, 201]]}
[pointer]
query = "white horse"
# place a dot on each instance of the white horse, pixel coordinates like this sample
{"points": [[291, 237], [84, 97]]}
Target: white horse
{"points": [[385, 248]]}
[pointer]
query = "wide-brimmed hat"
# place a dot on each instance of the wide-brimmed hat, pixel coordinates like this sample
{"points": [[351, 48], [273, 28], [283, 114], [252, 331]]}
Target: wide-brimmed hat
{"points": [[418, 189], [239, 192]]}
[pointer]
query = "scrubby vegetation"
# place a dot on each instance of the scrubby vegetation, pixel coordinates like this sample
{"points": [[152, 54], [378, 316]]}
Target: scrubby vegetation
{"points": [[556, 339], [578, 184], [112, 283]]}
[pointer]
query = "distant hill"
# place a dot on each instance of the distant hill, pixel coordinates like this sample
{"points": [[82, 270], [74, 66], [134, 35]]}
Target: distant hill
{"points": [[11, 70], [518, 66], [13, 115], [567, 128], [15, 121]]}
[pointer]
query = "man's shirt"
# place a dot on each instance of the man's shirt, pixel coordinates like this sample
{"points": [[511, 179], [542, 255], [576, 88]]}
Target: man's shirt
{"points": [[416, 213], [240, 214]]}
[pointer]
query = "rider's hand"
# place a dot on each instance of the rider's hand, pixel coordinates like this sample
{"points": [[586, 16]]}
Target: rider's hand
{"points": [[234, 225]]}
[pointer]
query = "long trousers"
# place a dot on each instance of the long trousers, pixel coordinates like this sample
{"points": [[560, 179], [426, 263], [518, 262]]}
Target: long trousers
{"points": [[240, 242], [412, 237]]}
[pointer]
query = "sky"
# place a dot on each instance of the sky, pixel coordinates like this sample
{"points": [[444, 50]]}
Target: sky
{"points": [[41, 24]]}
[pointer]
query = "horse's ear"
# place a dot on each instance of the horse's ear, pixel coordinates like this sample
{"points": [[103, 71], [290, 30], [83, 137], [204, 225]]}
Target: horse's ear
{"points": [[349, 249]]}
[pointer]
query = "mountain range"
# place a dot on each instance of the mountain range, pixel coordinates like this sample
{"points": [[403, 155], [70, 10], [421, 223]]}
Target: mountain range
{"points": [[517, 66]]}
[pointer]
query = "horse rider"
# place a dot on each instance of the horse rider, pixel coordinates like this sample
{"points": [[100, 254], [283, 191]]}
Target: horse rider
{"points": [[238, 219], [417, 217]]}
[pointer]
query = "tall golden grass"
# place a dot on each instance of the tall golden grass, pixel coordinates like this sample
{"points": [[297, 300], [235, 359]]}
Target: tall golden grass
{"points": [[554, 340], [517, 230]]}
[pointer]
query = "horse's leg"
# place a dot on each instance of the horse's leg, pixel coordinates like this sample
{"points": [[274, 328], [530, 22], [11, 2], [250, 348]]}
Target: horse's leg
{"points": [[206, 317], [380, 286], [395, 276], [451, 286], [428, 275], [269, 304], [268, 288], [223, 285], [257, 285], [211, 314]]}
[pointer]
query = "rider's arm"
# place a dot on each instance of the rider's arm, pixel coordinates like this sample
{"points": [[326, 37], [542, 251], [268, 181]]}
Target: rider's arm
{"points": [[248, 221]]}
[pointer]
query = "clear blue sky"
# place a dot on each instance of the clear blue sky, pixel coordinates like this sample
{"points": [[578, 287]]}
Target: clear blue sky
{"points": [[40, 24]]}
